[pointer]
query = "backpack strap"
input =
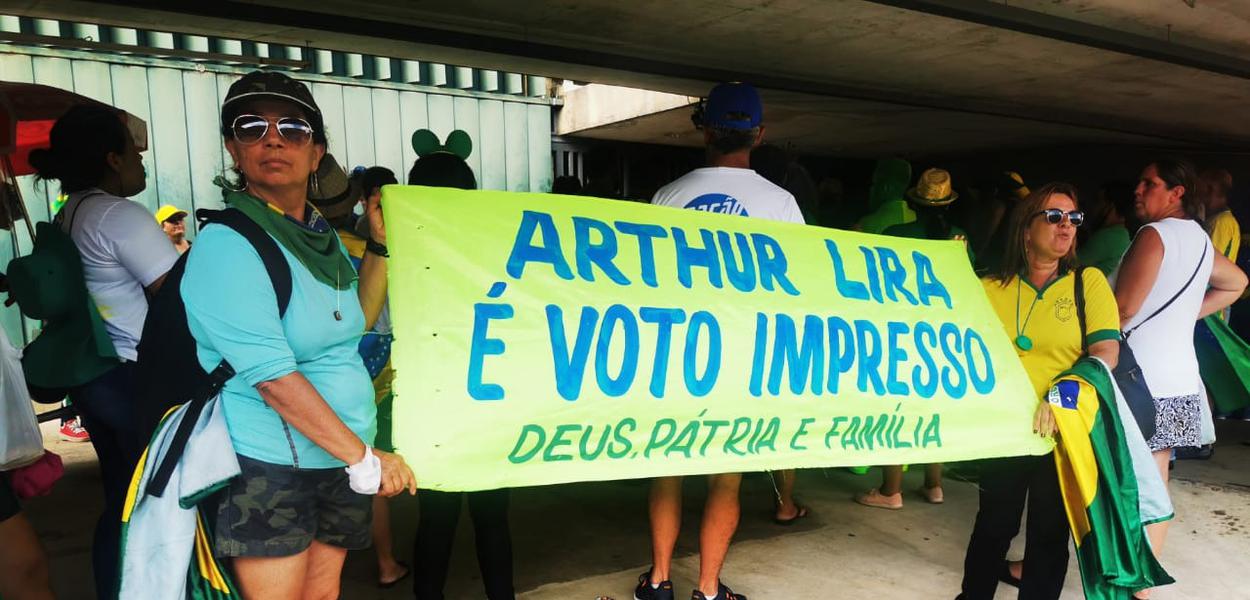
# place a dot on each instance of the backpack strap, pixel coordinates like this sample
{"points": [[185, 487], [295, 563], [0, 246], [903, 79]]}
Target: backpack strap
{"points": [[270, 254], [1078, 292]]}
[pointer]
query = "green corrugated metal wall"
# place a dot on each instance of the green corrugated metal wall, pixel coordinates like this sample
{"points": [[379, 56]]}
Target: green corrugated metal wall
{"points": [[368, 123]]}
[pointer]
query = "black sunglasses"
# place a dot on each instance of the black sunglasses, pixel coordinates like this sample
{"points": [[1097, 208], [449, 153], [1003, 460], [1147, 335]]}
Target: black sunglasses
{"points": [[250, 129], [1054, 216]]}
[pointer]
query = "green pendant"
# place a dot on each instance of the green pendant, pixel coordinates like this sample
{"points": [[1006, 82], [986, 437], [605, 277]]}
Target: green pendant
{"points": [[1024, 343]]}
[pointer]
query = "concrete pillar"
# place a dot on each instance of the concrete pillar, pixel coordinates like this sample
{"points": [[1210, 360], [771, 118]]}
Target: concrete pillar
{"points": [[82, 31], [381, 68], [323, 62], [438, 74], [410, 71], [353, 65], [489, 80], [513, 83], [463, 78], [48, 27]]}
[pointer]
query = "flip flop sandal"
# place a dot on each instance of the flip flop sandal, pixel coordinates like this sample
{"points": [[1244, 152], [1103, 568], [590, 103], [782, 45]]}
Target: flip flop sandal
{"points": [[802, 514]]}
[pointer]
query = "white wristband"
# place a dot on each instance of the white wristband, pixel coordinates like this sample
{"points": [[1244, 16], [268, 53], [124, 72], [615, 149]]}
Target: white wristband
{"points": [[365, 476]]}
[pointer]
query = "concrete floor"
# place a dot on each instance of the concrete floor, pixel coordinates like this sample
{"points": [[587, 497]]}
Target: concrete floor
{"points": [[582, 541]]}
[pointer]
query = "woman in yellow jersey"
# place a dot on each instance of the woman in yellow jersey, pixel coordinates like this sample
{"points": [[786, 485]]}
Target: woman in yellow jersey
{"points": [[1033, 293]]}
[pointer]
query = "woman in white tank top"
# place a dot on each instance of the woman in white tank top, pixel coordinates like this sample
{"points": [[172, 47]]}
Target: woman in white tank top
{"points": [[1171, 254]]}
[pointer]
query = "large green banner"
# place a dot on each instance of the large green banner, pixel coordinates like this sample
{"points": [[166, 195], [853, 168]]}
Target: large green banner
{"points": [[545, 339]]}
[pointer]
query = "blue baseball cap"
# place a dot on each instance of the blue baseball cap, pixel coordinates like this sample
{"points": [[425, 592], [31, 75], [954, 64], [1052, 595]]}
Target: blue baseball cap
{"points": [[733, 106]]}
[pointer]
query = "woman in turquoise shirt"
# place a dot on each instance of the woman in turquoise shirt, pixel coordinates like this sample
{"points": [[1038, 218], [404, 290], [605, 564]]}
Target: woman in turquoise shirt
{"points": [[300, 407]]}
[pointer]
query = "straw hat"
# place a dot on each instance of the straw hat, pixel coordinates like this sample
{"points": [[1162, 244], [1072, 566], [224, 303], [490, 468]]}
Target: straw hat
{"points": [[1014, 183], [933, 189]]}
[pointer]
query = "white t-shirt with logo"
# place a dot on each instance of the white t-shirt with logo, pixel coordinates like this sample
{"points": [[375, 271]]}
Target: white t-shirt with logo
{"points": [[731, 191], [123, 250]]}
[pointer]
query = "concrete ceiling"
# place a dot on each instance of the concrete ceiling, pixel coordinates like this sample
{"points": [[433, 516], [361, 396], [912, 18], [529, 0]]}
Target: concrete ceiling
{"points": [[849, 77]]}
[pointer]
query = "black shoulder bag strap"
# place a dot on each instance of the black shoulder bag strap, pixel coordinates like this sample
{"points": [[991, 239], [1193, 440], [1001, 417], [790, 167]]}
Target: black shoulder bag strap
{"points": [[1154, 314], [280, 276]]}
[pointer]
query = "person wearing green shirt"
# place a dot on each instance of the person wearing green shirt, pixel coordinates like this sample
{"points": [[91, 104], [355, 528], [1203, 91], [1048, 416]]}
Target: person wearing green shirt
{"points": [[931, 199], [889, 182], [1106, 246]]}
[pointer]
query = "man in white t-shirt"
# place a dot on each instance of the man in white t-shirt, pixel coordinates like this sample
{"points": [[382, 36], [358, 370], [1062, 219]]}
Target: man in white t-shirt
{"points": [[732, 125]]}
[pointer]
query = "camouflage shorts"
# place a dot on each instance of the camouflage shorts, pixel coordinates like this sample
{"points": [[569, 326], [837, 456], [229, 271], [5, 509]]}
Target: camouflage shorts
{"points": [[276, 510]]}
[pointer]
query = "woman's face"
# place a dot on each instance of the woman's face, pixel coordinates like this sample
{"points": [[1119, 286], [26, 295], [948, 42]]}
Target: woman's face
{"points": [[1154, 200], [274, 162], [1048, 241], [129, 167]]}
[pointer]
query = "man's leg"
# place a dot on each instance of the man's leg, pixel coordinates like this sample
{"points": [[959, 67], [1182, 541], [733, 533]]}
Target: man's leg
{"points": [[784, 481], [665, 511], [720, 521]]}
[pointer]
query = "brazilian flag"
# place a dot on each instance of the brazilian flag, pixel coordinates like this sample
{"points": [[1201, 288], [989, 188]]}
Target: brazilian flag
{"points": [[1224, 361], [1099, 485], [167, 539], [207, 578]]}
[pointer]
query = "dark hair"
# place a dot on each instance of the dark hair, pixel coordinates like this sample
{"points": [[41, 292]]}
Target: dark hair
{"points": [[729, 141], [771, 162], [373, 178], [935, 219], [1120, 195], [80, 143], [1178, 171], [442, 169], [1022, 216], [1216, 182]]}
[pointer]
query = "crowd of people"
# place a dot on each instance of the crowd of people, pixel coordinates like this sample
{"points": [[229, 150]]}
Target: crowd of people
{"points": [[308, 406]]}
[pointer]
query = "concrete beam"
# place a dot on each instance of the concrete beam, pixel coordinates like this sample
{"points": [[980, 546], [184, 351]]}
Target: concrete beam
{"points": [[1012, 18], [597, 105]]}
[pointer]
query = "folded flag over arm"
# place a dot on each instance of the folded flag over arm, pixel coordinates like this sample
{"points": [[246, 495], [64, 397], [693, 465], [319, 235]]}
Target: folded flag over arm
{"points": [[167, 549], [1111, 488]]}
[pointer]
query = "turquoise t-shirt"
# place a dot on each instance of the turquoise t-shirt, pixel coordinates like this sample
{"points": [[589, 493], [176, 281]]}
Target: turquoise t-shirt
{"points": [[232, 312]]}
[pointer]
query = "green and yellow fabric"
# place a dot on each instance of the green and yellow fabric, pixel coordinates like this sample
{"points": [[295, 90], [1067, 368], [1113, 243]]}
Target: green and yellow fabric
{"points": [[1225, 234], [166, 547], [1224, 362], [1107, 490]]}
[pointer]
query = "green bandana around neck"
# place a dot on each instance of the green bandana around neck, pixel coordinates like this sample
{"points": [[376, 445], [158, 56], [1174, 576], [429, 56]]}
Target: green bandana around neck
{"points": [[319, 252]]}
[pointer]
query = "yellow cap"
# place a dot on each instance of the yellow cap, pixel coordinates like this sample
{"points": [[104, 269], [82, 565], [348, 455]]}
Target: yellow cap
{"points": [[167, 212]]}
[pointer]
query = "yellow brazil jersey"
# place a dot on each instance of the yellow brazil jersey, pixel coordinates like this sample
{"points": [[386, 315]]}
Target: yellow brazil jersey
{"points": [[1225, 234], [1046, 321]]}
